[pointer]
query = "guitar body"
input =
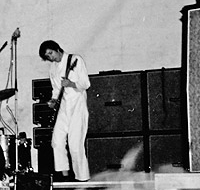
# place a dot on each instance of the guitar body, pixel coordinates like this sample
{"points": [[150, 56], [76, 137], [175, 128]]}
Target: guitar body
{"points": [[58, 101]]}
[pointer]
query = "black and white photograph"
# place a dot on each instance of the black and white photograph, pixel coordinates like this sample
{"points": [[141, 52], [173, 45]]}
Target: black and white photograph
{"points": [[99, 94]]}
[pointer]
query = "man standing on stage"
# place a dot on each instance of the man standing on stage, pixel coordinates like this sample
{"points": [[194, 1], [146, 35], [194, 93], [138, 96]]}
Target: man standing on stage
{"points": [[72, 119]]}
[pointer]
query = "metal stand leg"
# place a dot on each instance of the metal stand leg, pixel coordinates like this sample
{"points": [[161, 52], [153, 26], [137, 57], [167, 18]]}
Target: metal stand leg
{"points": [[16, 35]]}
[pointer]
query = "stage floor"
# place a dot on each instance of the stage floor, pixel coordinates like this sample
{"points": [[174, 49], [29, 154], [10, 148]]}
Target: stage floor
{"points": [[162, 181]]}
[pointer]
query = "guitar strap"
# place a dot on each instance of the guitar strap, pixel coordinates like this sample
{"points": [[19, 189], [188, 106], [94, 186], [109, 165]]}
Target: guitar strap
{"points": [[68, 63]]}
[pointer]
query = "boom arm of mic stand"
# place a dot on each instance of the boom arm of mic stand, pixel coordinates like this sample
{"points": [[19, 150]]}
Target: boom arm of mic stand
{"points": [[3, 46]]}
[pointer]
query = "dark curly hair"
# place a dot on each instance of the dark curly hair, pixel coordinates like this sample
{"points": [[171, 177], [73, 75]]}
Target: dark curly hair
{"points": [[49, 44]]}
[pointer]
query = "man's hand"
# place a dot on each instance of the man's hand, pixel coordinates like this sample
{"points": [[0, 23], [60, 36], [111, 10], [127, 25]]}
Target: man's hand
{"points": [[52, 103], [67, 83]]}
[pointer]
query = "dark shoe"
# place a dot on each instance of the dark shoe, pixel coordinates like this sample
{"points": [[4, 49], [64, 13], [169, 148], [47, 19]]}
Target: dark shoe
{"points": [[66, 179], [76, 180], [63, 179]]}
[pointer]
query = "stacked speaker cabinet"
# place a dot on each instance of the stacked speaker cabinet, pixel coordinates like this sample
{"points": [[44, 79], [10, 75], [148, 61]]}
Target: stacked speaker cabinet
{"points": [[114, 103], [130, 108], [127, 109], [115, 118], [191, 66], [41, 93], [164, 117]]}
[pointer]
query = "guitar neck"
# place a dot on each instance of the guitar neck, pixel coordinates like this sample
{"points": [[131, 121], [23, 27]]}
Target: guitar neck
{"points": [[61, 93], [66, 76]]}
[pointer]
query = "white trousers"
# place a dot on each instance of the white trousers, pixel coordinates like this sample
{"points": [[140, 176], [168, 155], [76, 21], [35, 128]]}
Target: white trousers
{"points": [[71, 126]]}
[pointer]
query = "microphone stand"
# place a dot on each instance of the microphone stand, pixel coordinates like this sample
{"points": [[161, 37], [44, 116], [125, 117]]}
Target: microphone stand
{"points": [[16, 104], [15, 35]]}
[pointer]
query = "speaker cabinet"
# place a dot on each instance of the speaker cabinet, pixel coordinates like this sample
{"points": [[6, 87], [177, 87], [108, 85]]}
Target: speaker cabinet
{"points": [[41, 90], [42, 142], [107, 153], [42, 114], [126, 108], [164, 96], [114, 103], [191, 65], [165, 149], [41, 136], [45, 159], [33, 181]]}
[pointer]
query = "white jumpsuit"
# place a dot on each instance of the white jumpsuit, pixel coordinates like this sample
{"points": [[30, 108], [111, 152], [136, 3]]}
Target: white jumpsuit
{"points": [[72, 119]]}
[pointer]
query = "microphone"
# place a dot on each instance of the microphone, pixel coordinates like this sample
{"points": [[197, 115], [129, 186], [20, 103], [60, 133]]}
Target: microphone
{"points": [[16, 34], [3, 46]]}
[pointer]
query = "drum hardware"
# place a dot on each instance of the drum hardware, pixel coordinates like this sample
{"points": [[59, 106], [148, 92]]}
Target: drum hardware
{"points": [[24, 149], [7, 93], [3, 46], [4, 145], [7, 143], [18, 146]]}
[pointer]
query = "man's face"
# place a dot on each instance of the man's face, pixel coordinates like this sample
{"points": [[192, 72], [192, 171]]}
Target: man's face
{"points": [[53, 55]]}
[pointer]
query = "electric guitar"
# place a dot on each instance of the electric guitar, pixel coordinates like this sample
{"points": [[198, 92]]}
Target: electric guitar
{"points": [[58, 100]]}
